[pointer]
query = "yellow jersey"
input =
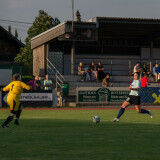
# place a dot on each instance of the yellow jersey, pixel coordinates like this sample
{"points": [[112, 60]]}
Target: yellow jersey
{"points": [[15, 89]]}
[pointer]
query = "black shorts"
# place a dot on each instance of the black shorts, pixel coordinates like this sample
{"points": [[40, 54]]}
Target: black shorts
{"points": [[133, 100], [15, 112]]}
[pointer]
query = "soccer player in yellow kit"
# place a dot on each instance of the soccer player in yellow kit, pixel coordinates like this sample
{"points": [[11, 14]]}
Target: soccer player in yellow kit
{"points": [[15, 89]]}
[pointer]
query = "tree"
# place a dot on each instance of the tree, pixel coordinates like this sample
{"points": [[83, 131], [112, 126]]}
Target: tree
{"points": [[41, 23], [16, 33], [9, 29]]}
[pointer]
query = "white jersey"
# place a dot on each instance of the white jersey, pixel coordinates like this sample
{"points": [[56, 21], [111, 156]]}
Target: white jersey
{"points": [[135, 84]]}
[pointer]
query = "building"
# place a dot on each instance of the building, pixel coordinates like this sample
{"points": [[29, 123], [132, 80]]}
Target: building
{"points": [[117, 42], [9, 48]]}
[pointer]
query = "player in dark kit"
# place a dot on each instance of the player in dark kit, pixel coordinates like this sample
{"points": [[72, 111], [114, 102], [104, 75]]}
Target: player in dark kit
{"points": [[133, 98], [15, 89]]}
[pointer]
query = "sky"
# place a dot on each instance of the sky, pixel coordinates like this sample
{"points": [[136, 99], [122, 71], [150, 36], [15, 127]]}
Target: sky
{"points": [[27, 10]]}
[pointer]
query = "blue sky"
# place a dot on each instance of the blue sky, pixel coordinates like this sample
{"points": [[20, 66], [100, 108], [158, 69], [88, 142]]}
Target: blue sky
{"points": [[27, 10]]}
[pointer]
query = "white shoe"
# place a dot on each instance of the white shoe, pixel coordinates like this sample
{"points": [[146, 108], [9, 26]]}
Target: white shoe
{"points": [[150, 113], [115, 120]]}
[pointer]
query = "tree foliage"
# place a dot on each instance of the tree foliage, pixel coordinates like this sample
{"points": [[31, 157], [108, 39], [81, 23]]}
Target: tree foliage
{"points": [[16, 33], [41, 23]]}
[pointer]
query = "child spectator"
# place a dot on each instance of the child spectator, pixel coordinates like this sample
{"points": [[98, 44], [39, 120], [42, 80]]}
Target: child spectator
{"points": [[106, 81], [100, 70], [32, 83], [144, 80], [156, 71]]}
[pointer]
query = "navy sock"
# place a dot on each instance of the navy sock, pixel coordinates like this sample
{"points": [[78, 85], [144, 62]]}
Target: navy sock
{"points": [[18, 114], [8, 120], [121, 111], [144, 111]]}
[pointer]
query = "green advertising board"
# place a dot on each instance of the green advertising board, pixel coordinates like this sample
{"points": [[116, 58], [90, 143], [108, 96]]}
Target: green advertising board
{"points": [[102, 95]]}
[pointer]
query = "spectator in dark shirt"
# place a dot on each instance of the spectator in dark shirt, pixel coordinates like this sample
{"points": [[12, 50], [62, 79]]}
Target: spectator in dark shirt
{"points": [[37, 83], [145, 70], [100, 70], [93, 71]]}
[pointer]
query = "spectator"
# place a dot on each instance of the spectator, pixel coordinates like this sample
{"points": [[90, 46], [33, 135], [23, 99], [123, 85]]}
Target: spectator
{"points": [[81, 71], [145, 70], [144, 80], [48, 83], [86, 72], [100, 70], [106, 81], [156, 71], [137, 68], [32, 83], [93, 72], [37, 83]]}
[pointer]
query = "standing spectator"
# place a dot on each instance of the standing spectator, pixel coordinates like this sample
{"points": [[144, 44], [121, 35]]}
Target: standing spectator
{"points": [[48, 83], [100, 70], [86, 72], [37, 83], [144, 80], [106, 81], [32, 83], [137, 68], [93, 72], [81, 71], [156, 71]]}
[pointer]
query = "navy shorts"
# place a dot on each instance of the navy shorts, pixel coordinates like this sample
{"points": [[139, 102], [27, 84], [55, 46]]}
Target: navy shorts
{"points": [[134, 100]]}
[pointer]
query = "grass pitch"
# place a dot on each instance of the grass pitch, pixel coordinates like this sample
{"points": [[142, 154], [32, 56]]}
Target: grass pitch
{"points": [[71, 135]]}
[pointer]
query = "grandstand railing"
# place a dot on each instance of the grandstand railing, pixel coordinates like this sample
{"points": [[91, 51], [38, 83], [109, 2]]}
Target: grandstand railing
{"points": [[56, 75]]}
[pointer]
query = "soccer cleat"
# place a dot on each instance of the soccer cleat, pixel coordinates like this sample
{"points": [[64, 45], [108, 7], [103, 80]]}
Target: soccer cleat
{"points": [[150, 113], [115, 120], [4, 126], [16, 122]]}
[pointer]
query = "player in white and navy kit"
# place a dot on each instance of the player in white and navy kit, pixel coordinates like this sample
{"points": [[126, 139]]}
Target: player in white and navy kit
{"points": [[133, 98]]}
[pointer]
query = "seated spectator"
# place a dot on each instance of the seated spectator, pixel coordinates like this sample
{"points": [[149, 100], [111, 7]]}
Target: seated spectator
{"points": [[100, 70], [137, 68], [93, 72], [145, 70], [144, 80], [32, 83], [86, 72], [81, 71], [37, 83], [48, 85], [106, 81], [156, 71]]}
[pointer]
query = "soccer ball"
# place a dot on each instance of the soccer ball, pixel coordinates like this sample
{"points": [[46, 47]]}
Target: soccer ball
{"points": [[96, 119]]}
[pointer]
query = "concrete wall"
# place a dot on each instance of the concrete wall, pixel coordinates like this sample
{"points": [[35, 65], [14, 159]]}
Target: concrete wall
{"points": [[145, 53]]}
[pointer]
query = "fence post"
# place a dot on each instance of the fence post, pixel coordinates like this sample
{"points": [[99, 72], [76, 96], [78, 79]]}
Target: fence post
{"points": [[130, 67], [56, 80], [111, 66]]}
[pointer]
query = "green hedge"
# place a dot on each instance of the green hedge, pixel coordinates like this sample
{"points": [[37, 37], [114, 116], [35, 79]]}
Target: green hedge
{"points": [[26, 79]]}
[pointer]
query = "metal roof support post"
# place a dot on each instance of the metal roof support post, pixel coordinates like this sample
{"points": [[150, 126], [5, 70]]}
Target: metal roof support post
{"points": [[73, 42], [151, 56]]}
